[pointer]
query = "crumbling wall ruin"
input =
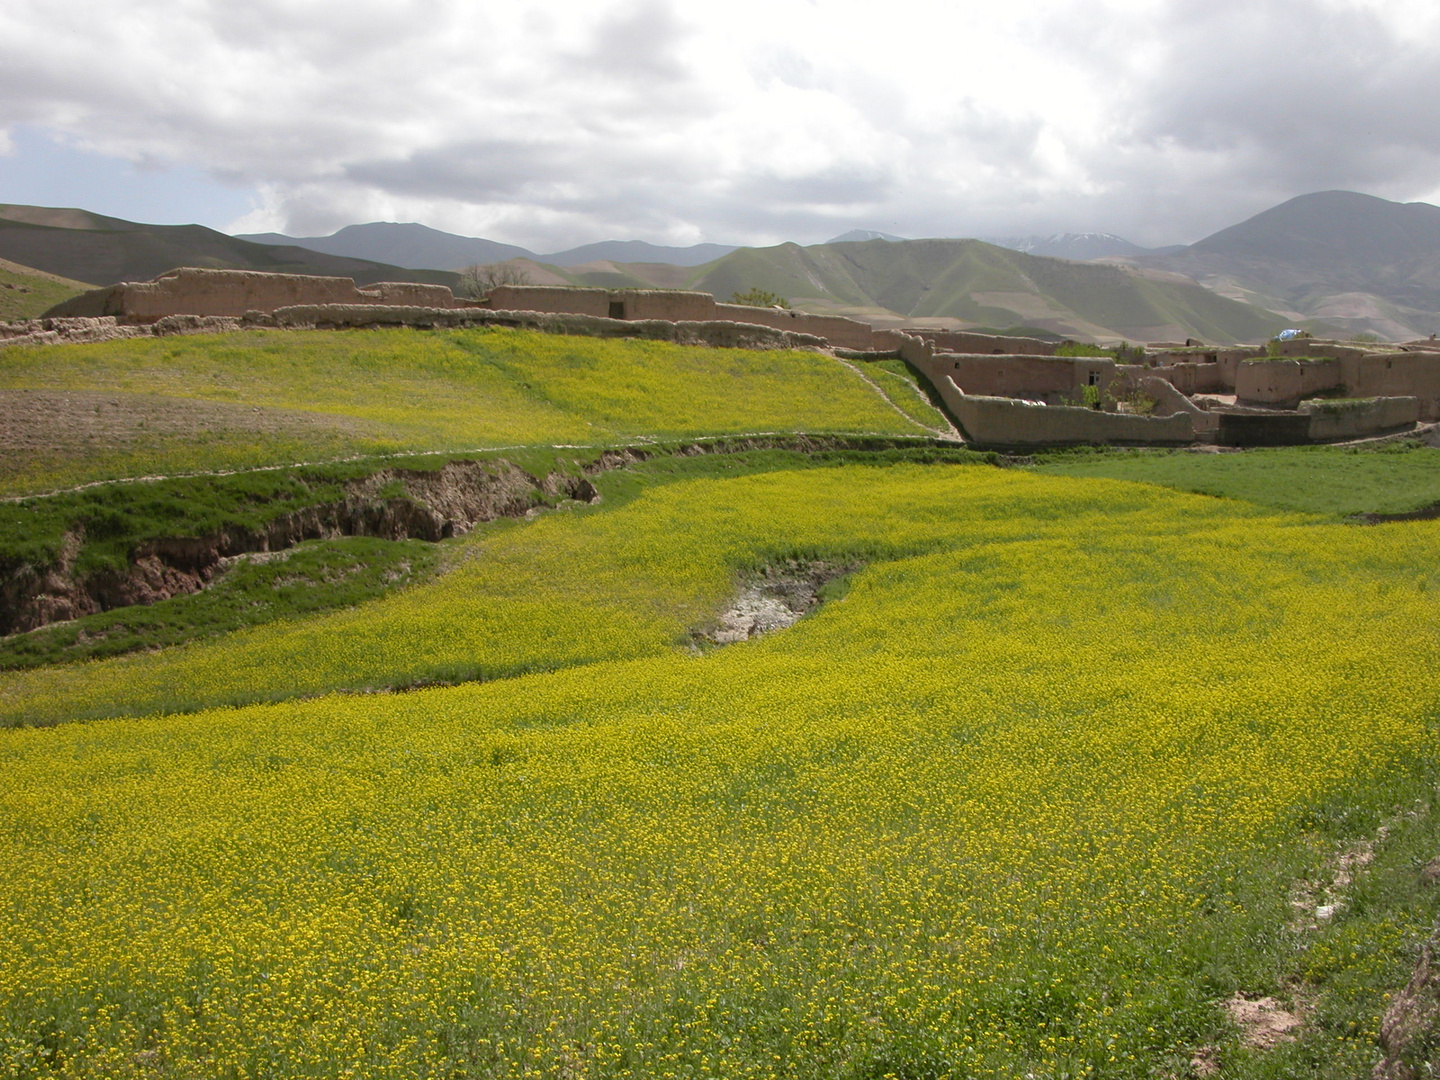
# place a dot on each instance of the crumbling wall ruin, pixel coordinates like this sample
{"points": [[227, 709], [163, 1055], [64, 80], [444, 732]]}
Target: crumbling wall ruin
{"points": [[1008, 423], [1055, 380], [231, 293], [1170, 401], [1354, 419], [1190, 377], [841, 332], [1011, 423], [991, 374], [1284, 382], [715, 333], [969, 343], [81, 330], [672, 305], [1351, 373], [675, 305], [1396, 374]]}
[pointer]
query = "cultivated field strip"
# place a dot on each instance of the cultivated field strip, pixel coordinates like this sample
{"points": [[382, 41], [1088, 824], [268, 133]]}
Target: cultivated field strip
{"points": [[275, 397]]}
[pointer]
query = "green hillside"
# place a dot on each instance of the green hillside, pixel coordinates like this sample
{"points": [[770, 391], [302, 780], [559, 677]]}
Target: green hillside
{"points": [[83, 246], [26, 293], [980, 283]]}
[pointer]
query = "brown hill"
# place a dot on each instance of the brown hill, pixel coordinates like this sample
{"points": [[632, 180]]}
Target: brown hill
{"points": [[1364, 264]]}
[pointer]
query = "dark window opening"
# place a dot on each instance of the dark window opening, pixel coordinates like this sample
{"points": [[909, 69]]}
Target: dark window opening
{"points": [[617, 309], [1094, 378]]}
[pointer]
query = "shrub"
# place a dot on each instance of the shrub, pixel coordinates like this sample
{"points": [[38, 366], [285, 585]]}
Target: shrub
{"points": [[759, 298], [1083, 348], [477, 281]]}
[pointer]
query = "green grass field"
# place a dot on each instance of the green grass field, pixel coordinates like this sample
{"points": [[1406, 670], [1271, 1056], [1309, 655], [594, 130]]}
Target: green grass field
{"points": [[106, 525], [115, 518], [1391, 479]]}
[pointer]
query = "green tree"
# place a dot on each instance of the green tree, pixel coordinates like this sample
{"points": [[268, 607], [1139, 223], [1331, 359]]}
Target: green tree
{"points": [[759, 298]]}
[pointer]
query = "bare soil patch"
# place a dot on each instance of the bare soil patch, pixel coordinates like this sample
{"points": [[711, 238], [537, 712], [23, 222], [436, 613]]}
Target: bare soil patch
{"points": [[1425, 513], [777, 597], [1264, 1022], [1206, 1062], [55, 421]]}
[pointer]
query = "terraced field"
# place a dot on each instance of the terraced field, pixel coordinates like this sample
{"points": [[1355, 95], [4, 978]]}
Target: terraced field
{"points": [[81, 413], [1064, 769]]}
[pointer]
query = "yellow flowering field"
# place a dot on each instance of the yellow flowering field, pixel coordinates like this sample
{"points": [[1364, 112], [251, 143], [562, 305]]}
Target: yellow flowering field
{"points": [[585, 586], [311, 395], [1028, 800]]}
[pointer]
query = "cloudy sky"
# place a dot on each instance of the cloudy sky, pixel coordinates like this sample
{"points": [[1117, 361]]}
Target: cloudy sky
{"points": [[746, 122]]}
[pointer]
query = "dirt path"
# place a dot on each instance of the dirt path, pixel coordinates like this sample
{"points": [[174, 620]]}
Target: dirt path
{"points": [[948, 432]]}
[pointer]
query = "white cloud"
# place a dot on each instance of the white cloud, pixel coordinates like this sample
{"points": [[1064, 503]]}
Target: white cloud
{"points": [[556, 123]]}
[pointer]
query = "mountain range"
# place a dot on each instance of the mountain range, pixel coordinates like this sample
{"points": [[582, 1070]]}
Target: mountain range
{"points": [[972, 283], [1336, 263], [1355, 261], [419, 247], [1081, 247]]}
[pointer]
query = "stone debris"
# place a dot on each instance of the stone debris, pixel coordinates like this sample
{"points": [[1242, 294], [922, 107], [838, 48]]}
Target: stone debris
{"points": [[1314, 903], [778, 597], [754, 613], [86, 329]]}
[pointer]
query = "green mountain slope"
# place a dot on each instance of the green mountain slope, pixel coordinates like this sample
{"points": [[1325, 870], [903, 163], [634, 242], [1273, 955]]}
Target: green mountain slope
{"points": [[83, 246], [26, 293], [979, 283]]}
